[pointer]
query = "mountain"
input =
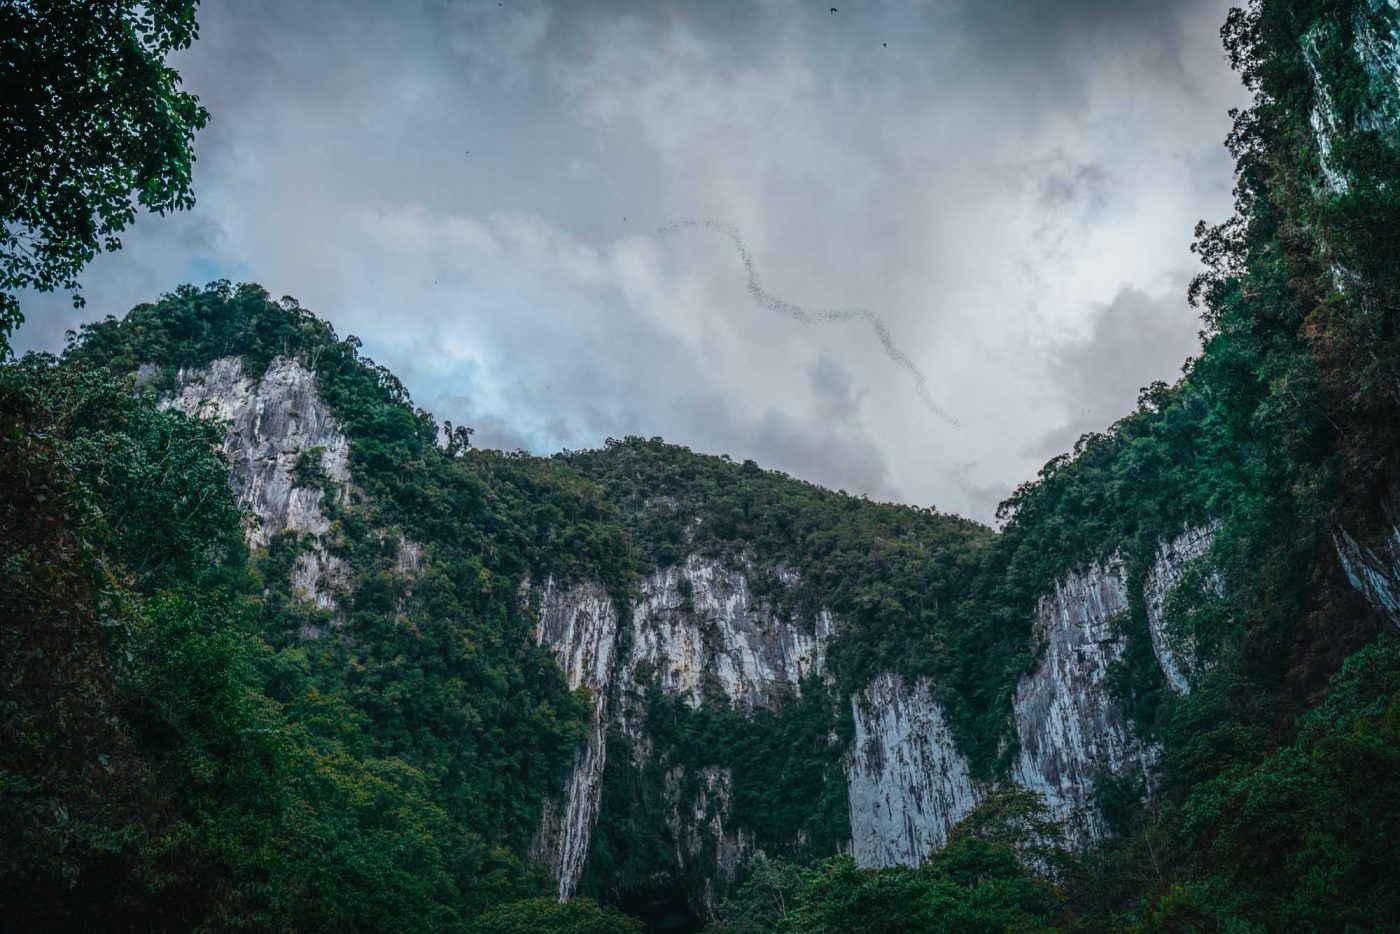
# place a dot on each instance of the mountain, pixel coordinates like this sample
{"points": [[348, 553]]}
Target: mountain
{"points": [[288, 653]]}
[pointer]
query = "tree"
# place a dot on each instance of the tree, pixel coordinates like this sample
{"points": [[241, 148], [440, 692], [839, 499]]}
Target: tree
{"points": [[547, 915], [93, 123]]}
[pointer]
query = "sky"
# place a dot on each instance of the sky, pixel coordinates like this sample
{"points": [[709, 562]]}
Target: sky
{"points": [[488, 193]]}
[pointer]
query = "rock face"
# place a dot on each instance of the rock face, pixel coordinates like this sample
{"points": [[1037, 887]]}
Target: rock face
{"points": [[1375, 45], [704, 845], [1176, 656], [907, 782], [699, 624], [273, 423], [702, 629], [1374, 569], [1323, 117], [1069, 728], [706, 633], [580, 625]]}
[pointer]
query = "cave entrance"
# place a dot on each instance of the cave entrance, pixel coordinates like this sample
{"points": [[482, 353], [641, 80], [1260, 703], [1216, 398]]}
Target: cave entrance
{"points": [[662, 910]]}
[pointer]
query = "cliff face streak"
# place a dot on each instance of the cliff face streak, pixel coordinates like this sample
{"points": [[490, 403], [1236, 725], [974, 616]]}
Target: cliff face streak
{"points": [[580, 625], [1175, 652], [701, 622], [1069, 727], [906, 781]]}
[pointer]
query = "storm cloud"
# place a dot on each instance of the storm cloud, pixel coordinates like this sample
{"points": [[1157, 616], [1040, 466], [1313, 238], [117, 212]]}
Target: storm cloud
{"points": [[473, 188]]}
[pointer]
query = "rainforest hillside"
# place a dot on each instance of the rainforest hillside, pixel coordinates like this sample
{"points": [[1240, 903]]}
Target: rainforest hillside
{"points": [[280, 650]]}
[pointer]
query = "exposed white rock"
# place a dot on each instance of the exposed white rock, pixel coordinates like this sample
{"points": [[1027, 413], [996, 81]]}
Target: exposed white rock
{"points": [[1323, 118], [1070, 729], [722, 634], [318, 576], [1177, 656], [697, 624], [1376, 44], [1374, 570], [272, 423], [580, 626], [702, 627], [409, 560], [907, 782]]}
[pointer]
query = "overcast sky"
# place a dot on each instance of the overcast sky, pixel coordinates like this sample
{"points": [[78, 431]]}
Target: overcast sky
{"points": [[475, 189]]}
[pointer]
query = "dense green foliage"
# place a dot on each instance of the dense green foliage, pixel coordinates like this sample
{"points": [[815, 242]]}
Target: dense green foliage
{"points": [[161, 764], [440, 666], [550, 916], [93, 125], [980, 881], [1305, 838], [187, 740]]}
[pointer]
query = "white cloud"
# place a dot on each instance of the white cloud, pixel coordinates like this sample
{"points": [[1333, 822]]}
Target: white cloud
{"points": [[473, 189]]}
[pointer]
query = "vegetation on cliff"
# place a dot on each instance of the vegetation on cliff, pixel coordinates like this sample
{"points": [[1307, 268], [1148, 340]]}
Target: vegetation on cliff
{"points": [[179, 750], [389, 774]]}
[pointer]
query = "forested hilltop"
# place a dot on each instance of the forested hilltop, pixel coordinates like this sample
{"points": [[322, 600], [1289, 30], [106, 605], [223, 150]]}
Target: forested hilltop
{"points": [[387, 680]]}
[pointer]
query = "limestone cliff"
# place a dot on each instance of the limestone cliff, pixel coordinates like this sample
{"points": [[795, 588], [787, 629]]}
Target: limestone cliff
{"points": [[704, 632], [1176, 653], [700, 622], [273, 423], [699, 627], [1069, 728], [1374, 568], [580, 625], [907, 782]]}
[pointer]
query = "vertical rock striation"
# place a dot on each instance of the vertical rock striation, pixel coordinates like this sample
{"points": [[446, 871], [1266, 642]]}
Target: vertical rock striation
{"points": [[1374, 569], [274, 422], [580, 626], [1176, 655], [1070, 729], [700, 624], [907, 782], [1375, 44], [706, 633], [704, 845], [703, 630]]}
